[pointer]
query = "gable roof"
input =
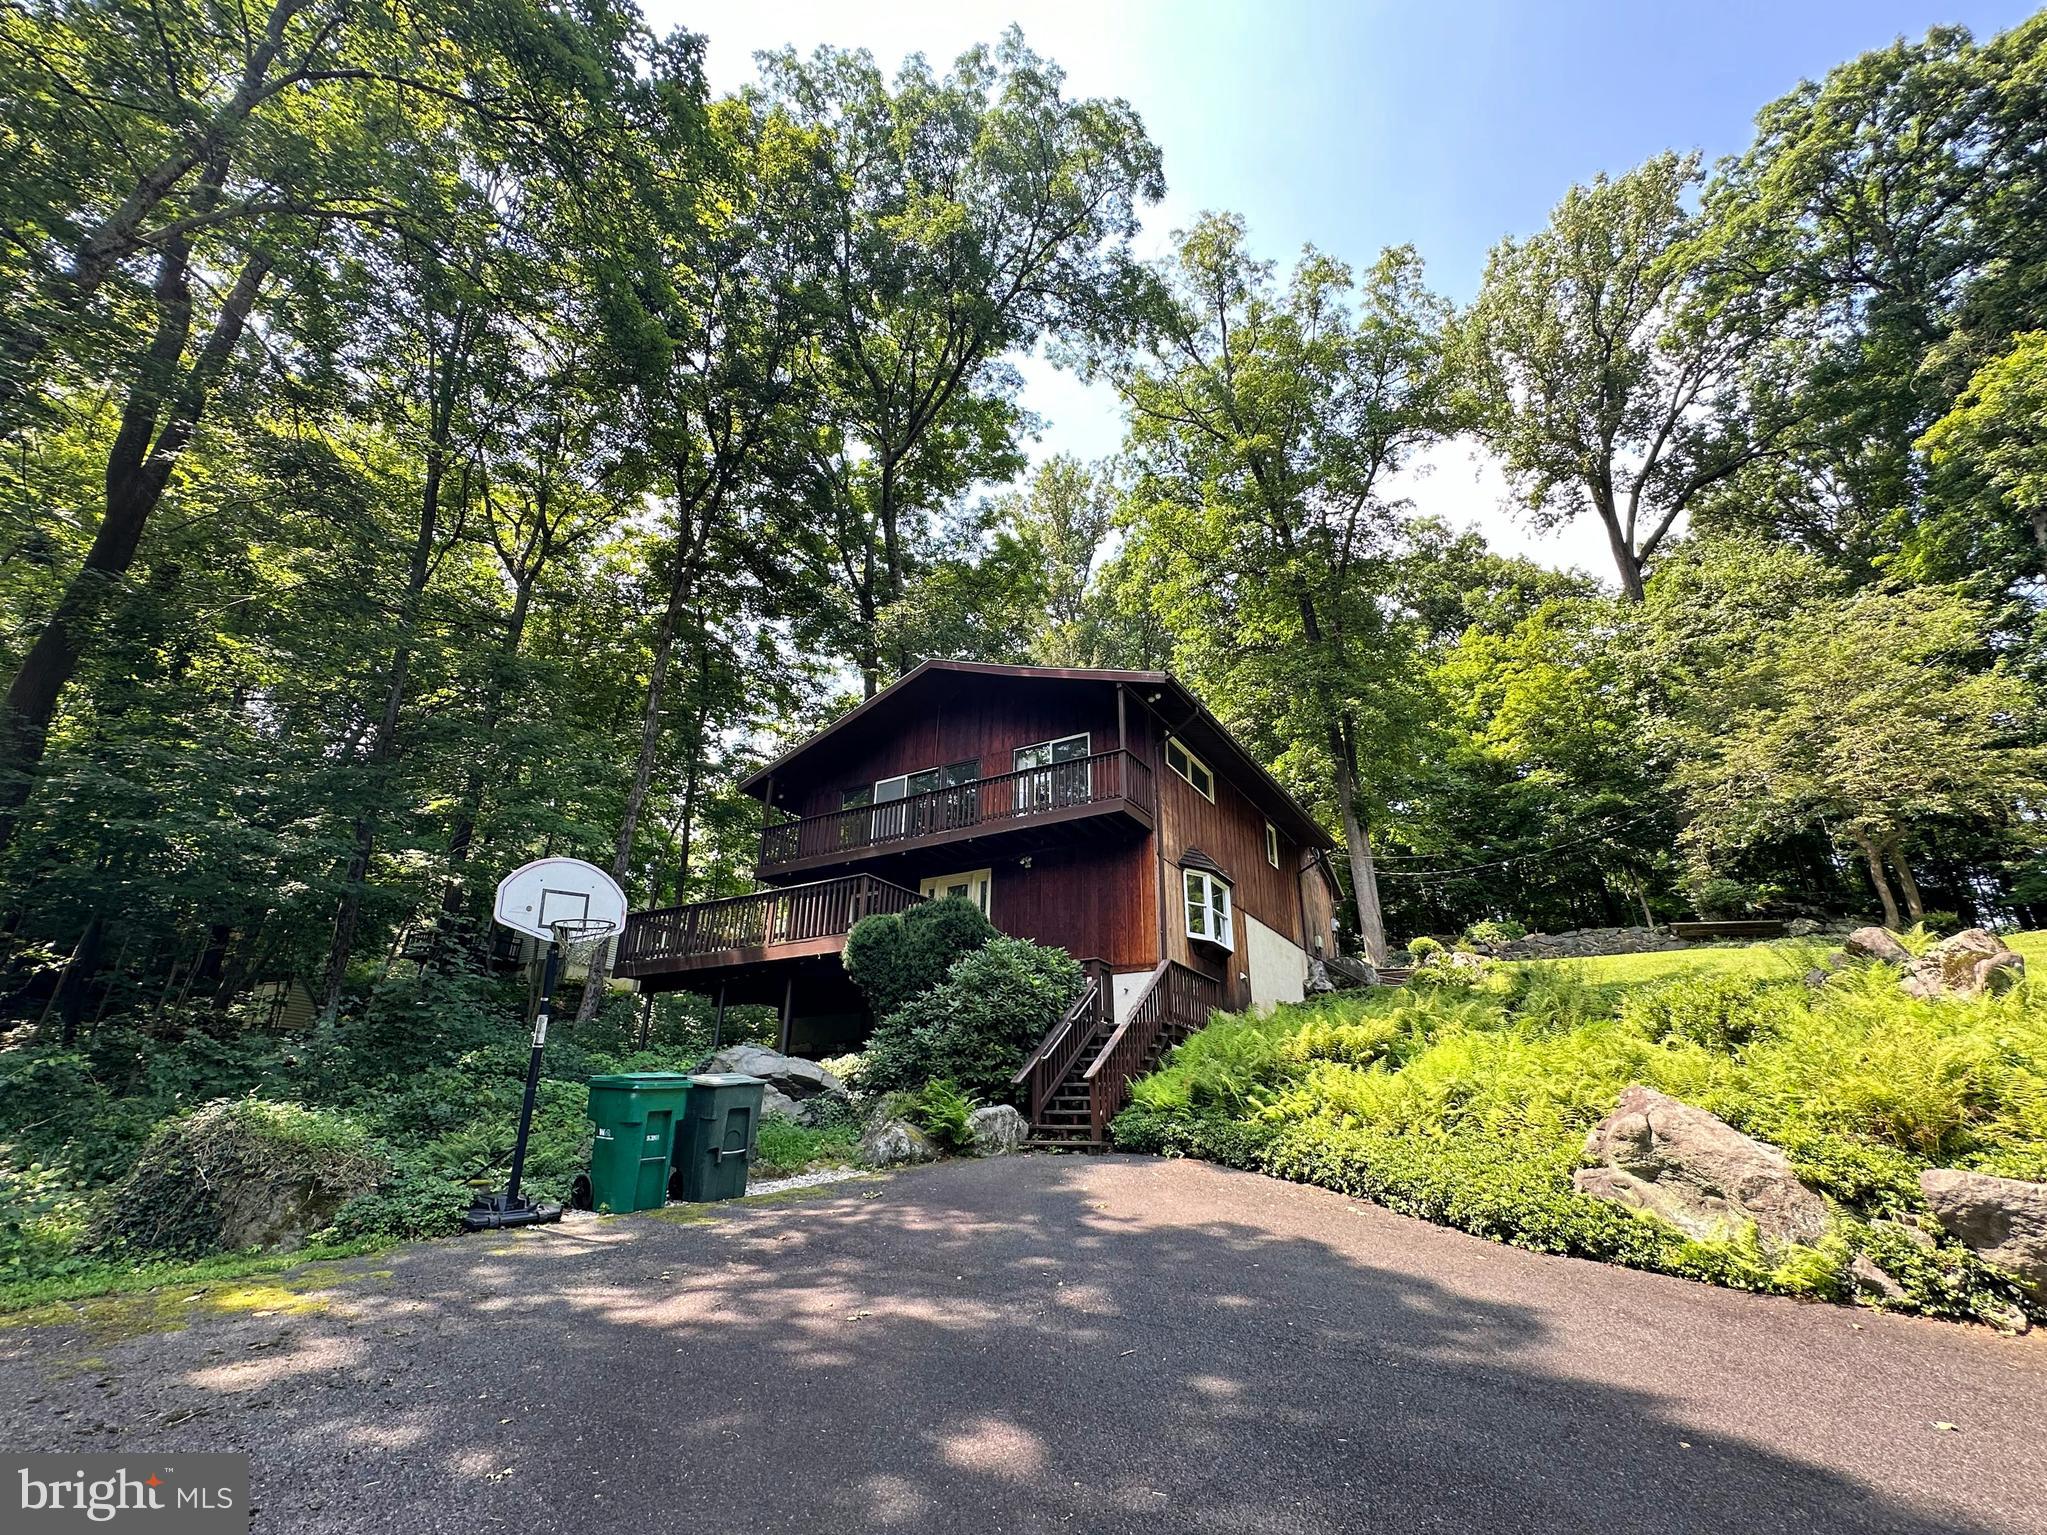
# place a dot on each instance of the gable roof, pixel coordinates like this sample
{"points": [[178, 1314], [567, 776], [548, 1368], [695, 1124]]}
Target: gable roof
{"points": [[1181, 713]]}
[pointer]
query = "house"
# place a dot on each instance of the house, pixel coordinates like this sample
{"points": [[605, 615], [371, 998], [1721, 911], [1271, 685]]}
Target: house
{"points": [[1105, 812]]}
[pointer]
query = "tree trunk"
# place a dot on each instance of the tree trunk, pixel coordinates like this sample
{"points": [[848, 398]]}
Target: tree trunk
{"points": [[1358, 842], [383, 746], [691, 537], [1627, 564], [1914, 907], [1873, 860], [463, 833], [162, 409], [75, 984]]}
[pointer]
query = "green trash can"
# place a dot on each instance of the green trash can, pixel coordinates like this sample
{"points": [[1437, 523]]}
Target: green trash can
{"points": [[636, 1114], [716, 1142]]}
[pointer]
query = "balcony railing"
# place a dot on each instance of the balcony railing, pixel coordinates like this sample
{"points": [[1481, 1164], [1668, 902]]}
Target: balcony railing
{"points": [[653, 940], [985, 804]]}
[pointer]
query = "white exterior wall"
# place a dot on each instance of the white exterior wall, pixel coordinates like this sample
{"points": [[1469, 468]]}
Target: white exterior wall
{"points": [[1124, 994], [1278, 966]]}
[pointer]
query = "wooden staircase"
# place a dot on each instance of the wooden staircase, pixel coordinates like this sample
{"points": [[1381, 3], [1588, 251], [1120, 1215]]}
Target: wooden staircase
{"points": [[1079, 1077]]}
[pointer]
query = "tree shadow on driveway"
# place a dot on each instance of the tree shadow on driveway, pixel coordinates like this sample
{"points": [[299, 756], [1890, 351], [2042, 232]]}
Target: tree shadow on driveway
{"points": [[1044, 1343]]}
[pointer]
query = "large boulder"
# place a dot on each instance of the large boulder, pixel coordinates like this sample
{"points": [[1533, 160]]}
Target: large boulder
{"points": [[998, 1130], [789, 1075], [894, 1143], [235, 1174], [2002, 1220], [1972, 963], [1877, 943], [1696, 1171]]}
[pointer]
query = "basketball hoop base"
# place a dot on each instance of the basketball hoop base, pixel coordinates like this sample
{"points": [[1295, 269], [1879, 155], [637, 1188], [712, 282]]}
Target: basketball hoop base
{"points": [[493, 1212]]}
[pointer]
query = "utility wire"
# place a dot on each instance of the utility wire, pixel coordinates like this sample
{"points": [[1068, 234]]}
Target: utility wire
{"points": [[1501, 863]]}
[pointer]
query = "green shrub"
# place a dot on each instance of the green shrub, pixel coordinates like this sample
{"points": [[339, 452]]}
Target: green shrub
{"points": [[894, 958], [850, 1068], [239, 1173], [1494, 933], [976, 1027], [944, 1113], [1421, 950], [1722, 899], [413, 1202]]}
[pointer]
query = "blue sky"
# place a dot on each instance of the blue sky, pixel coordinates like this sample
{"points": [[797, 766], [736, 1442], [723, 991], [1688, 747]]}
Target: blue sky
{"points": [[1356, 126]]}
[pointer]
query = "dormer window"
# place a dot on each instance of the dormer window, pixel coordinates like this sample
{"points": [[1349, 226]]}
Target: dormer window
{"points": [[1208, 908], [1191, 768]]}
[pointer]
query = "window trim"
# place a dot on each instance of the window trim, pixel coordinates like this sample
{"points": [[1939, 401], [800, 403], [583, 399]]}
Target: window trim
{"points": [[1173, 744], [1216, 905], [1272, 844], [1085, 737], [943, 770], [980, 885]]}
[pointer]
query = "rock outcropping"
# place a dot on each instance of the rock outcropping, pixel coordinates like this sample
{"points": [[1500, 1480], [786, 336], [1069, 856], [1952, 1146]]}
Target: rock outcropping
{"points": [[998, 1130], [1972, 963], [1696, 1171], [797, 1089], [895, 1142], [2002, 1220]]}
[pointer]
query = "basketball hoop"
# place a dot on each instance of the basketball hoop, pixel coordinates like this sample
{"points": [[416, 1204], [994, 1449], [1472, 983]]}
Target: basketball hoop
{"points": [[577, 937], [574, 906]]}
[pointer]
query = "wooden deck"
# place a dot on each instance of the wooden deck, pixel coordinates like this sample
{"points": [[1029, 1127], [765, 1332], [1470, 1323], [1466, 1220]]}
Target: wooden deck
{"points": [[1009, 807], [792, 923]]}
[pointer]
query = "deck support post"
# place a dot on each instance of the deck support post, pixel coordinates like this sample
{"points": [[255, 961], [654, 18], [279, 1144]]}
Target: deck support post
{"points": [[788, 1007], [718, 1018]]}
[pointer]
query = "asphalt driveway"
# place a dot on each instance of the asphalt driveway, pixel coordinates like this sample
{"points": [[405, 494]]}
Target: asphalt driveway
{"points": [[1049, 1343]]}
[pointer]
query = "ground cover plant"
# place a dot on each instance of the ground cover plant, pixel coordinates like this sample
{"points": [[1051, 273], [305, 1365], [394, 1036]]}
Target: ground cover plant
{"points": [[386, 1124], [1467, 1102]]}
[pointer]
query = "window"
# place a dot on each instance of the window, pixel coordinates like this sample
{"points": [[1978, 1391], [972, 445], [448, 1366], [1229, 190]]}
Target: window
{"points": [[1045, 753], [898, 812], [1272, 844], [1191, 768], [1060, 773], [1208, 908], [977, 885]]}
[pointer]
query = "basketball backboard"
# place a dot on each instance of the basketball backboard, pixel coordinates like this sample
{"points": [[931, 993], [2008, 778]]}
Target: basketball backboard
{"points": [[536, 895]]}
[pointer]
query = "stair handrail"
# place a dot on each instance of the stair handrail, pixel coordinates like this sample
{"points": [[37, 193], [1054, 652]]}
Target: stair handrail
{"points": [[1052, 1061], [1109, 1075]]}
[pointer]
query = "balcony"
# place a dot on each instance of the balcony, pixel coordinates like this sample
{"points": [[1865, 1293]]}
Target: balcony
{"points": [[792, 923], [1011, 809]]}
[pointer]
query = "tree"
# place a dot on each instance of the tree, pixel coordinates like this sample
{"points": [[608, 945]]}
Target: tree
{"points": [[1998, 430], [965, 218], [1893, 214], [1871, 715], [1601, 374], [1060, 524], [177, 158], [1263, 428]]}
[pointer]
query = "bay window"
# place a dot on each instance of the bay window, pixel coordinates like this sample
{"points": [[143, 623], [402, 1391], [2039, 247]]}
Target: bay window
{"points": [[1208, 908]]}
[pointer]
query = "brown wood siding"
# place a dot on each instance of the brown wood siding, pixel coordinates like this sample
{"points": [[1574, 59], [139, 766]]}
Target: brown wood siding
{"points": [[976, 719], [1232, 832], [1093, 900]]}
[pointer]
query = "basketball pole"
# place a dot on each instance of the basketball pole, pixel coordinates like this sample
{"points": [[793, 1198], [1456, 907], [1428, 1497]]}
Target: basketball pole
{"points": [[489, 1211], [548, 976]]}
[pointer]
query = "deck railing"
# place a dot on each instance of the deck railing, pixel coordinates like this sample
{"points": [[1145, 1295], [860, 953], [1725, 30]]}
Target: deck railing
{"points": [[985, 803], [827, 908], [1174, 1003]]}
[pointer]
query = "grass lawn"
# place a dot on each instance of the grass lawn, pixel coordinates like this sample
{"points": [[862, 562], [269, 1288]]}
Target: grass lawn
{"points": [[1783, 957]]}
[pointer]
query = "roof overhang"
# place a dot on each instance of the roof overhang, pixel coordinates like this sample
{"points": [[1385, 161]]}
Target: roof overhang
{"points": [[1181, 713]]}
